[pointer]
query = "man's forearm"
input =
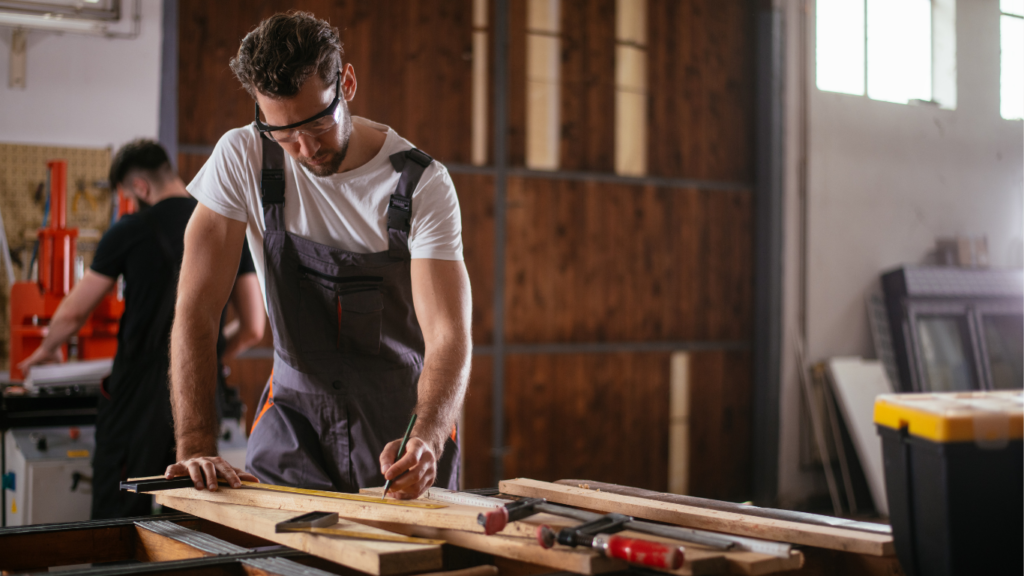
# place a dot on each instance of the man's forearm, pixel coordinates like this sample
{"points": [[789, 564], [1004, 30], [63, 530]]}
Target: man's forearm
{"points": [[62, 327], [441, 390], [194, 384]]}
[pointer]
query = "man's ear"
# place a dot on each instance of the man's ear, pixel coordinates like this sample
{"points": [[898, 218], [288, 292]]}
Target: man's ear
{"points": [[348, 82], [140, 188]]}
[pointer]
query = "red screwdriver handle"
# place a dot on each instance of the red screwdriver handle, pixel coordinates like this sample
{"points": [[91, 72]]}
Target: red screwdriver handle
{"points": [[642, 552]]}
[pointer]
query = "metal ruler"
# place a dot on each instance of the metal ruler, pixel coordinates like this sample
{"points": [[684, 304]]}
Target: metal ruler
{"points": [[452, 497]]}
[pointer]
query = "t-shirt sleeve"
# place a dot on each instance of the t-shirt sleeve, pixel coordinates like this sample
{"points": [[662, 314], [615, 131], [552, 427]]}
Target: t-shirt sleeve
{"points": [[436, 220], [112, 251], [221, 183], [246, 265]]}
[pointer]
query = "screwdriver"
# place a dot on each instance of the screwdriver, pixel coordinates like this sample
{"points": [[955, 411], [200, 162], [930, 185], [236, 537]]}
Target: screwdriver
{"points": [[401, 449]]}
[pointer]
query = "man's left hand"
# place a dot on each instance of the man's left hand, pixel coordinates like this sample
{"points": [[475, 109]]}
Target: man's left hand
{"points": [[413, 473]]}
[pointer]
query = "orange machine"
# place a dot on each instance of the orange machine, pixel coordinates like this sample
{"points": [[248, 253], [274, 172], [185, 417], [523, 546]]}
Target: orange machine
{"points": [[34, 303]]}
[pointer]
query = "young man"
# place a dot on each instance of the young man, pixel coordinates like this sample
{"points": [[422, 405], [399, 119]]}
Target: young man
{"points": [[134, 432], [362, 270]]}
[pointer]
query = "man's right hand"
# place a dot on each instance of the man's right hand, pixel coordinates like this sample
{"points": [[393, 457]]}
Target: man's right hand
{"points": [[212, 467]]}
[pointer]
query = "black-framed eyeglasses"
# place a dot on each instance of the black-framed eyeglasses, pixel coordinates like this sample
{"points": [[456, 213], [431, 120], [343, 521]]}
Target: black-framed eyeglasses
{"points": [[312, 126]]}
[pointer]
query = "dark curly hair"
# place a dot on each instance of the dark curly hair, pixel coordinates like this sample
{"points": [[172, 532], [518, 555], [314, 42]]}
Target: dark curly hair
{"points": [[140, 155], [283, 51]]}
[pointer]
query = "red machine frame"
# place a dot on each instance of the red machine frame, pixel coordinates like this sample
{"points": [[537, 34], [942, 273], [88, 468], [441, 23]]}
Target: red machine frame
{"points": [[33, 303]]}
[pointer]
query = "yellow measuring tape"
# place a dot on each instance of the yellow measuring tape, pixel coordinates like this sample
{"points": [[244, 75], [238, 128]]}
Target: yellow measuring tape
{"points": [[324, 493]]}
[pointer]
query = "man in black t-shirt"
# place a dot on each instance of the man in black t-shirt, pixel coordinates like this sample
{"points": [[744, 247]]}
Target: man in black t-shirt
{"points": [[134, 428]]}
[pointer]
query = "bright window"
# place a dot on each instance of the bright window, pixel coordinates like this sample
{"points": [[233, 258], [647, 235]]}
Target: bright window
{"points": [[1011, 77], [891, 50]]}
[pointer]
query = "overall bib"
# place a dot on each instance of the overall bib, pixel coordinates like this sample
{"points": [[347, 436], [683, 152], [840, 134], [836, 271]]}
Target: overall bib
{"points": [[348, 350]]}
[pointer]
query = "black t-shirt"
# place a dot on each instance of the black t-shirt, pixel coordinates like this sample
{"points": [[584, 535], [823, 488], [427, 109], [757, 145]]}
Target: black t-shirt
{"points": [[147, 249]]}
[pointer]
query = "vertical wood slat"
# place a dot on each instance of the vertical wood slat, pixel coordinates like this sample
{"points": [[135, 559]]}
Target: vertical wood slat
{"points": [[476, 202], [588, 85], [701, 71], [477, 469], [720, 431]]}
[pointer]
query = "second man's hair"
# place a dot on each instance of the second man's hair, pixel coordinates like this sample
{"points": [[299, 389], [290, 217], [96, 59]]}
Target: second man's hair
{"points": [[142, 155]]}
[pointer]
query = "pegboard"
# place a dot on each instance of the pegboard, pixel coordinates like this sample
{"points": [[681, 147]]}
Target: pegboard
{"points": [[23, 196]]}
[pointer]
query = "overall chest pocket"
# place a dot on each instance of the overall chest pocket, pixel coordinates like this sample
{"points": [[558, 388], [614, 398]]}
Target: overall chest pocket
{"points": [[340, 313]]}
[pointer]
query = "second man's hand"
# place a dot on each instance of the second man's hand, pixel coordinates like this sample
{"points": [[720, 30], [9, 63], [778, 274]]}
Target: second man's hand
{"points": [[413, 473], [211, 467]]}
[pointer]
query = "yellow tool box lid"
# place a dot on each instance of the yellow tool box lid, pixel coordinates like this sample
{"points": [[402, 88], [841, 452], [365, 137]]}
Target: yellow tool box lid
{"points": [[982, 417]]}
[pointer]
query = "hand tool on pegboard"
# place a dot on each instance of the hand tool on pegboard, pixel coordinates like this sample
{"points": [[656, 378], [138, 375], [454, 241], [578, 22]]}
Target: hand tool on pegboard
{"points": [[322, 523]]}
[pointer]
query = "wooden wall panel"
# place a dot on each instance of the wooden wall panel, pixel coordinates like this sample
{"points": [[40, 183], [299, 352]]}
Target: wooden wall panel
{"points": [[476, 201], [516, 83], [701, 79], [588, 85], [477, 435], [590, 261], [412, 60], [189, 165], [595, 416], [720, 424]]}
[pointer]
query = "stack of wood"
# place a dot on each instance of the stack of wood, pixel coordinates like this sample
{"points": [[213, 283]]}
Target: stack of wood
{"points": [[760, 542]]}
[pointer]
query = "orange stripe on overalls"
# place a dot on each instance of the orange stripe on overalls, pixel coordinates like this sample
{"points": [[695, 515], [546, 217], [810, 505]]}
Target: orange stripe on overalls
{"points": [[266, 405]]}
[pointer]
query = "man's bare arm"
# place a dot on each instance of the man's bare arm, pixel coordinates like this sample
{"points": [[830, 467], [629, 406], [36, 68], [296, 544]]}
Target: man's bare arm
{"points": [[70, 316], [213, 247], [441, 296]]}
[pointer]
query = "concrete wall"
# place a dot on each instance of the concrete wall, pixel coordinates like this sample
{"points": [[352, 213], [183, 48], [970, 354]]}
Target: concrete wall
{"points": [[882, 182], [84, 90]]}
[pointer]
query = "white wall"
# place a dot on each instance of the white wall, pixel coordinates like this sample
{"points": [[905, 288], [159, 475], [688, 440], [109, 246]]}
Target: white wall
{"points": [[883, 181], [83, 90]]}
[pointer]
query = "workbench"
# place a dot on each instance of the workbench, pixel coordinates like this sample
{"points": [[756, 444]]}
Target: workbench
{"points": [[235, 531]]}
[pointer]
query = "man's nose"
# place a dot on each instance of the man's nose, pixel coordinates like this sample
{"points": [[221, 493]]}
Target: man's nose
{"points": [[308, 145]]}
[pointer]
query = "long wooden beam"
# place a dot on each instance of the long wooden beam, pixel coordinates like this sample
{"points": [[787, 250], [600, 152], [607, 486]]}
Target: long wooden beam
{"points": [[374, 557], [452, 516], [719, 521]]}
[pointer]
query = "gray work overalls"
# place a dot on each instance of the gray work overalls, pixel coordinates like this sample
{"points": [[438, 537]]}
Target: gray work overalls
{"points": [[348, 348]]}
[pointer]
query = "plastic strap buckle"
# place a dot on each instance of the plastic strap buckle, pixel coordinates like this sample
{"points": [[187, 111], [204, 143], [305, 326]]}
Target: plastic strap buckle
{"points": [[399, 212], [272, 185], [419, 157]]}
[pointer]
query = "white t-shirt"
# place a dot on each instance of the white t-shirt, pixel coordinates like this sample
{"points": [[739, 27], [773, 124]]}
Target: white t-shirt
{"points": [[346, 211]]}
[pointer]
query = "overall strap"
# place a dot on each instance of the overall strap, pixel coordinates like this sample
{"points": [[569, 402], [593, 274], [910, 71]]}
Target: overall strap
{"points": [[411, 163], [272, 184]]}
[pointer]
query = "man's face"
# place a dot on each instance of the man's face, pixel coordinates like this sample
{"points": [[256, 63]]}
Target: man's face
{"points": [[323, 154]]}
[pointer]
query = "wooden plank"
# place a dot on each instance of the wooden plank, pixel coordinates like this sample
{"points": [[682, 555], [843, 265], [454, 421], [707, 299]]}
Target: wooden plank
{"points": [[453, 516], [743, 525], [578, 560], [375, 557]]}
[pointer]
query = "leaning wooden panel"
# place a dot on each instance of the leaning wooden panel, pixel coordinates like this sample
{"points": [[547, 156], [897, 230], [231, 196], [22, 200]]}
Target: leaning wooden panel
{"points": [[375, 557], [453, 516], [690, 516]]}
